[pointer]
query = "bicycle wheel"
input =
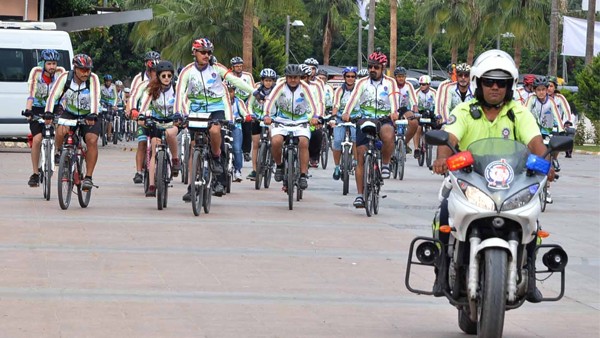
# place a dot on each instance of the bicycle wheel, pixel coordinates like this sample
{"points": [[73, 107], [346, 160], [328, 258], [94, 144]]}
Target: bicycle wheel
{"points": [[197, 182], [116, 130], [260, 165], [428, 152], [422, 147], [324, 149], [268, 169], [82, 196], [167, 177], [208, 184], [46, 173], [394, 163], [289, 175], [160, 179], [375, 188], [543, 195], [184, 160], [346, 167], [367, 186], [104, 136], [65, 180], [402, 158]]}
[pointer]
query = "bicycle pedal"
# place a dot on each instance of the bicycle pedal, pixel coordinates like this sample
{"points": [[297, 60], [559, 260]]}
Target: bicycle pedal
{"points": [[383, 196]]}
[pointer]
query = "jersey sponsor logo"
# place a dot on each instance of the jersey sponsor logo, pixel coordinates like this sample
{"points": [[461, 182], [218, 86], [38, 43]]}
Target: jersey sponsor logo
{"points": [[499, 175], [214, 75]]}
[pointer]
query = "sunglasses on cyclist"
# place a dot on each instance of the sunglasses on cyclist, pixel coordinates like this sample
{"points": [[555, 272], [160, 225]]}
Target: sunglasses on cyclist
{"points": [[424, 84], [465, 75], [204, 52], [166, 76], [501, 83], [376, 67], [350, 76]]}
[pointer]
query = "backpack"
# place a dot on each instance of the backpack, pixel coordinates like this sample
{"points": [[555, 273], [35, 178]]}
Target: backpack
{"points": [[68, 84]]}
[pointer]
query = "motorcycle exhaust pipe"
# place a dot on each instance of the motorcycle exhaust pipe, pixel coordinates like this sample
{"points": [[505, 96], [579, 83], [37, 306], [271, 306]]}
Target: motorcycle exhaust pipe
{"points": [[555, 260]]}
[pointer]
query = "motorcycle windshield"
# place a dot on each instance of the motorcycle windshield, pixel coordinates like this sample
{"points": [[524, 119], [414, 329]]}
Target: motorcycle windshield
{"points": [[498, 159]]}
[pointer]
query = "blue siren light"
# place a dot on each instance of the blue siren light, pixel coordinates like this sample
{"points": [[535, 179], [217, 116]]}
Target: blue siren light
{"points": [[538, 164]]}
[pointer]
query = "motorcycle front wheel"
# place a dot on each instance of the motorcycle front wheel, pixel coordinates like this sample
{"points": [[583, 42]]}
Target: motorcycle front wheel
{"points": [[492, 304]]}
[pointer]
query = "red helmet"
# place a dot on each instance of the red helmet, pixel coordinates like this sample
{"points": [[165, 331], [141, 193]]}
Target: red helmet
{"points": [[378, 57], [528, 79], [202, 44], [82, 61]]}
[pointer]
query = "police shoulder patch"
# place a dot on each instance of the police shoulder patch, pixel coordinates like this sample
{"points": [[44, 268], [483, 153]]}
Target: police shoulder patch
{"points": [[451, 119]]}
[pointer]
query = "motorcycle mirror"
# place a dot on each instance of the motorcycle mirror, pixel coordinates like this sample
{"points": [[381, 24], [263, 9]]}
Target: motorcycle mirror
{"points": [[560, 143], [439, 138], [555, 260], [427, 253]]}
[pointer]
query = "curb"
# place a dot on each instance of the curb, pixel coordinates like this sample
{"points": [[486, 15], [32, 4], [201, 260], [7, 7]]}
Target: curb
{"points": [[576, 151]]}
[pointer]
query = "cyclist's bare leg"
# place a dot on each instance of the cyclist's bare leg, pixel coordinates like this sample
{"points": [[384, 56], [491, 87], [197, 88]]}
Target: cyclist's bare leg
{"points": [[303, 154], [172, 141], [276, 148], [255, 140], [152, 170], [91, 156], [215, 139], [386, 134], [413, 127], [358, 173], [36, 146], [59, 137], [417, 137], [140, 156], [337, 156]]}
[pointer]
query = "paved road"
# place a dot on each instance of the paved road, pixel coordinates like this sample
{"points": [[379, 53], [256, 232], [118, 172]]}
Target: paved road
{"points": [[251, 268]]}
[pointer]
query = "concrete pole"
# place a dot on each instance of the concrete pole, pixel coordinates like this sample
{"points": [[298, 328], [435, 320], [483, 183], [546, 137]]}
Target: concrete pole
{"points": [[287, 40], [25, 18], [41, 15], [359, 61], [553, 39], [371, 42], [589, 44]]}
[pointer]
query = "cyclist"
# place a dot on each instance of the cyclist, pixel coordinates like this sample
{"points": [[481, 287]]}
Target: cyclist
{"points": [[362, 73], [240, 114], [340, 99], [255, 108], [408, 106], [491, 113], [523, 93], [237, 65], [291, 101], [455, 93], [441, 89], [108, 99], [157, 101], [563, 106], [41, 80], [78, 92], [138, 84], [200, 89], [317, 88], [120, 94], [376, 97]]}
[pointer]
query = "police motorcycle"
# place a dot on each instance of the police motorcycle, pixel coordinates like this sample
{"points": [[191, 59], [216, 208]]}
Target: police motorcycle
{"points": [[488, 264]]}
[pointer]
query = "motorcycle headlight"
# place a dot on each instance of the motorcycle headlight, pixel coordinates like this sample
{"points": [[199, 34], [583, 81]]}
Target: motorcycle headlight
{"points": [[477, 197], [521, 198]]}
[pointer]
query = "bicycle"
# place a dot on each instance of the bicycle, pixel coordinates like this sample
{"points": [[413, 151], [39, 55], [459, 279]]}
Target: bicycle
{"points": [[399, 158], [227, 154], [347, 161], [184, 141], [325, 141], [164, 173], [291, 162], [117, 126], [130, 129], [72, 166], [546, 135], [46, 162], [265, 162], [372, 180], [426, 122], [106, 111], [201, 176]]}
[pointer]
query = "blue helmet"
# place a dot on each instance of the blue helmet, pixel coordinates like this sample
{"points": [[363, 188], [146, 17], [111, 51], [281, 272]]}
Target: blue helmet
{"points": [[349, 70], [107, 77], [50, 55], [268, 73]]}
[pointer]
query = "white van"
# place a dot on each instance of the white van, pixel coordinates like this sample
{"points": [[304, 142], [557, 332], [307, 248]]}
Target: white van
{"points": [[20, 46]]}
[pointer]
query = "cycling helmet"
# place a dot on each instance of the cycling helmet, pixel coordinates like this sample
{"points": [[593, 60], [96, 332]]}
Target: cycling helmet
{"points": [[165, 66], [425, 79], [495, 64], [399, 71], [50, 55], [540, 81], [311, 62], [378, 57], [127, 90], [236, 60], [554, 80], [463, 68], [152, 55], [118, 83], [362, 73], [349, 70], [82, 61], [322, 72], [294, 70], [528, 79], [107, 77], [151, 64], [268, 73], [202, 44], [306, 69]]}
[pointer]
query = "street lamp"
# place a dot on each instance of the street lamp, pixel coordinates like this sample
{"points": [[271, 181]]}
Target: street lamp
{"points": [[296, 23]]}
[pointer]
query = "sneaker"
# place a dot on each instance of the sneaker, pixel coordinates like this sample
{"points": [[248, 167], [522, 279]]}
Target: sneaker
{"points": [[188, 196], [548, 198], [556, 165], [279, 174], [247, 157], [385, 172], [336, 173], [359, 202], [313, 164], [87, 184], [251, 176], [218, 189], [216, 166], [417, 153], [568, 155], [237, 176], [303, 183], [151, 191], [176, 164], [34, 180], [138, 178]]}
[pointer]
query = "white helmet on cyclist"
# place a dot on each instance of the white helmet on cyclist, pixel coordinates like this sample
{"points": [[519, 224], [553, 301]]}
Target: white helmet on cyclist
{"points": [[425, 79], [494, 64]]}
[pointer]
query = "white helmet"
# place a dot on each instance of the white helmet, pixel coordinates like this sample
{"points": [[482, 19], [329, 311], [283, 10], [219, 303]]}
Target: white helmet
{"points": [[425, 79], [127, 90], [495, 64]]}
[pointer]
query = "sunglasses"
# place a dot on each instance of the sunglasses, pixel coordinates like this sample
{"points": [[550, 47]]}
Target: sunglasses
{"points": [[501, 83], [376, 67], [350, 76], [166, 76], [204, 52], [465, 75], [424, 84]]}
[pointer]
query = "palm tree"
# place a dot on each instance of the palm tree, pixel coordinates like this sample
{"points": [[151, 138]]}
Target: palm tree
{"points": [[329, 14]]}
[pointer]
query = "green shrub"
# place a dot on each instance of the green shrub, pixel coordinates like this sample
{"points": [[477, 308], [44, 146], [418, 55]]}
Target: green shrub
{"points": [[579, 138], [588, 97]]}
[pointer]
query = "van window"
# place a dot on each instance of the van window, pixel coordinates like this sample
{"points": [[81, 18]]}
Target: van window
{"points": [[17, 63]]}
